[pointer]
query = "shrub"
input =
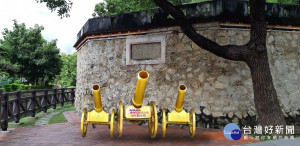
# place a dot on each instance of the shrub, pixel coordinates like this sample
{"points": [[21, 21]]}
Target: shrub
{"points": [[7, 88], [14, 86], [26, 87], [22, 87]]}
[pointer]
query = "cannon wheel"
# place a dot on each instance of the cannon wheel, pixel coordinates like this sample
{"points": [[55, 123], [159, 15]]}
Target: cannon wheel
{"points": [[83, 126], [120, 119], [164, 123], [192, 124], [111, 124], [153, 120]]}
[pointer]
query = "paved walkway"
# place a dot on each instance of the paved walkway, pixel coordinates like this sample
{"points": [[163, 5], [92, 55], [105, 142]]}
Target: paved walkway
{"points": [[44, 120], [69, 134], [71, 117]]}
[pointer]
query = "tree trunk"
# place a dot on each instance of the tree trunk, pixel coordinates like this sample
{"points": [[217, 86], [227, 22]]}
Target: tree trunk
{"points": [[253, 53], [265, 96]]}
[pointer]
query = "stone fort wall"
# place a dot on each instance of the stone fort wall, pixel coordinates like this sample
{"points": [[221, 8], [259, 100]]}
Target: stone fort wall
{"points": [[219, 90]]}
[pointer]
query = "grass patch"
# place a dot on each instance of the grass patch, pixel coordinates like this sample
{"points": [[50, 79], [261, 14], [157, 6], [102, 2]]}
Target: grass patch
{"points": [[27, 121], [60, 118], [30, 121]]}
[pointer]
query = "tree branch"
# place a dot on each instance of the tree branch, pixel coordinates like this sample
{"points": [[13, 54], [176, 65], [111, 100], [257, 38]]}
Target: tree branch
{"points": [[230, 52]]}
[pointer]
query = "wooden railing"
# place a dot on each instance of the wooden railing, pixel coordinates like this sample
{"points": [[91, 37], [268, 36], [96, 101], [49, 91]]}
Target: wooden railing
{"points": [[15, 104]]}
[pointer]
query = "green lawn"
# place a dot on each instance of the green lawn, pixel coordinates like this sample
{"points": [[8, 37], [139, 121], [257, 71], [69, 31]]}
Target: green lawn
{"points": [[29, 121], [60, 118]]}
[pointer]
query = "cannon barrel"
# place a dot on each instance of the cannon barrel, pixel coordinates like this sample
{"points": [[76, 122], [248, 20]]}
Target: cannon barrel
{"points": [[180, 98], [97, 98], [140, 88]]}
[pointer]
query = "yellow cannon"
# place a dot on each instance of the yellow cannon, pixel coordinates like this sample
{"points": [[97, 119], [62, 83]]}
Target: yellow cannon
{"points": [[179, 116], [97, 116], [136, 112]]}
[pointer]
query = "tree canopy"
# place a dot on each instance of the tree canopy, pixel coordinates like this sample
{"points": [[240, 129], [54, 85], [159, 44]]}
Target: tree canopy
{"points": [[63, 7], [5, 63], [30, 53], [67, 76], [115, 7]]}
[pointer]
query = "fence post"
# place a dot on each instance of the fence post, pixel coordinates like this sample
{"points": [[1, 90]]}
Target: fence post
{"points": [[45, 100], [33, 93], [4, 124], [17, 118], [72, 95], [55, 98], [62, 96]]}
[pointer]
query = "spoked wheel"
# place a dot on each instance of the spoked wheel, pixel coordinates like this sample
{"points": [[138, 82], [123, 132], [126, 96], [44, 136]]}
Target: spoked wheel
{"points": [[164, 123], [83, 126], [192, 124], [120, 119], [111, 124], [153, 120]]}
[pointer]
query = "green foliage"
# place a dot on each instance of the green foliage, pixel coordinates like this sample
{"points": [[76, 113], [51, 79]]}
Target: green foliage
{"points": [[67, 76], [63, 6], [35, 57], [288, 2], [7, 88], [26, 87], [5, 63], [16, 87], [114, 7], [5, 78], [48, 61]]}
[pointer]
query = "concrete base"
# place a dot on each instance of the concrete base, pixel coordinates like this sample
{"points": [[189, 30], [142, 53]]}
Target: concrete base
{"points": [[14, 123], [5, 132]]}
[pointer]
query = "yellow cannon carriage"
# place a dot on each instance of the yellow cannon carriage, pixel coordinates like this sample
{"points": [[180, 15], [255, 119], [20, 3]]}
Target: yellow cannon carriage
{"points": [[97, 116], [179, 116], [136, 112]]}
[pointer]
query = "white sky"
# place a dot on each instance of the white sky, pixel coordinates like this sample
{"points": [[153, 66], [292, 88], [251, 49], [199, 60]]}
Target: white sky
{"points": [[30, 12]]}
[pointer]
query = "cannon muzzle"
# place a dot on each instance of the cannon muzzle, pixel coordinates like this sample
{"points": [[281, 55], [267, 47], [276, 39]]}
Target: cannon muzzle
{"points": [[140, 89], [97, 98], [180, 98]]}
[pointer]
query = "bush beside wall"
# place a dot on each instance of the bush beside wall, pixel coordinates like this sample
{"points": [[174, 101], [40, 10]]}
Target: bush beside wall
{"points": [[16, 87]]}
